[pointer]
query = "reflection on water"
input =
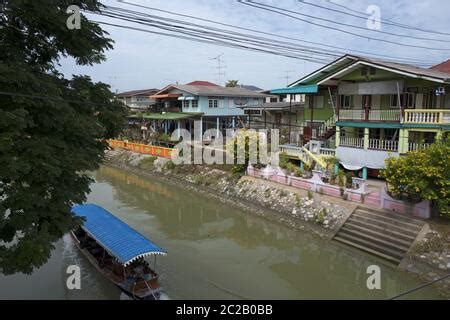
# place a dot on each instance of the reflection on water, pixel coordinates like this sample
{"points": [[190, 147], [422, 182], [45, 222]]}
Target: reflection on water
{"points": [[215, 252]]}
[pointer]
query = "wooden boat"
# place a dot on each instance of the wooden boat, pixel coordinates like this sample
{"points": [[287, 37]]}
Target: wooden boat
{"points": [[118, 252]]}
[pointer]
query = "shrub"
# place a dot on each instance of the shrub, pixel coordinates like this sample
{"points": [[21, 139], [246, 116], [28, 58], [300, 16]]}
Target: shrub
{"points": [[310, 195], [169, 165], [148, 163], [422, 175]]}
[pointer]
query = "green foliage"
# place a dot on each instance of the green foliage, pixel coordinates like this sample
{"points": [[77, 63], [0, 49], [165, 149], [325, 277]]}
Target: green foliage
{"points": [[232, 83], [310, 195], [341, 178], [290, 167], [148, 163], [422, 175], [52, 131], [284, 160], [169, 165], [321, 216]]}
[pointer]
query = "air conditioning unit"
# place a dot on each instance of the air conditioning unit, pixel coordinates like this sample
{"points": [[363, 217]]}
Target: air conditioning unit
{"points": [[440, 91]]}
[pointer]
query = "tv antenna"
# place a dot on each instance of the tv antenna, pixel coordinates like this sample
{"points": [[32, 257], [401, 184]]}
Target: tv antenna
{"points": [[287, 77], [220, 68]]}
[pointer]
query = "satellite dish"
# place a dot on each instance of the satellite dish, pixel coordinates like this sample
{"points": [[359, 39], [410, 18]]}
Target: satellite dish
{"points": [[240, 101]]}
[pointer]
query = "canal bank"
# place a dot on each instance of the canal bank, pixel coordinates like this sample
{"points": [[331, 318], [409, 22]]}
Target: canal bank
{"points": [[215, 251], [298, 209]]}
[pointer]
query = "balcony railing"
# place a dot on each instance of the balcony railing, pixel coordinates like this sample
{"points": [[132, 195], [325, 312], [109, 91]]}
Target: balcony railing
{"points": [[328, 152], [413, 146], [384, 115], [352, 142], [370, 115], [383, 145], [353, 115], [427, 116]]}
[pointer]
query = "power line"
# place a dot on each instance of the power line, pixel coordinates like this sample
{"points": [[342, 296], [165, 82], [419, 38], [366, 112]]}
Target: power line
{"points": [[364, 16], [386, 21], [212, 37], [346, 50], [279, 10], [49, 98]]}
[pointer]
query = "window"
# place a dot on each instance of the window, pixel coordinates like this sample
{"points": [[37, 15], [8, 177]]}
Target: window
{"points": [[194, 103], [390, 134], [213, 103], [186, 104], [346, 102], [273, 100], [411, 100], [253, 112]]}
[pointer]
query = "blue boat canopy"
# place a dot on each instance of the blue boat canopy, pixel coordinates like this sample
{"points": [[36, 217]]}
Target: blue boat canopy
{"points": [[120, 240], [297, 90]]}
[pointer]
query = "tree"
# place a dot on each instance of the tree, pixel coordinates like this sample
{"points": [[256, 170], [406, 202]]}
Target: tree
{"points": [[422, 175], [52, 129], [232, 83]]}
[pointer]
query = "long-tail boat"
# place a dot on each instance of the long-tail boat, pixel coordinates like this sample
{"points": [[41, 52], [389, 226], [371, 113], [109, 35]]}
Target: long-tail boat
{"points": [[118, 252]]}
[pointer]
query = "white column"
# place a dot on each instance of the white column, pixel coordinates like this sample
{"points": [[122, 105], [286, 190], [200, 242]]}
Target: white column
{"points": [[218, 127]]}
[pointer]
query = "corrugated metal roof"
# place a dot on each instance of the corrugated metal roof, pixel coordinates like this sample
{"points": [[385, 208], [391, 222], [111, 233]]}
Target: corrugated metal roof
{"points": [[118, 238], [145, 92], [214, 91], [297, 90]]}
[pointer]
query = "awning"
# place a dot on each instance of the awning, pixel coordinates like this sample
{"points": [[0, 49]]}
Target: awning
{"points": [[297, 90], [166, 96], [119, 239]]}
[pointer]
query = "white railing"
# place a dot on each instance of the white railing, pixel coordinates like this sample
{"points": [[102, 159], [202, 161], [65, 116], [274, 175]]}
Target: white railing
{"points": [[412, 146], [352, 142], [327, 152], [384, 115], [359, 115], [427, 116], [385, 145]]}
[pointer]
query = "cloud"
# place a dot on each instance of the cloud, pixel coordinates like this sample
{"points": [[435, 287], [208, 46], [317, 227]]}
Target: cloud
{"points": [[141, 60]]}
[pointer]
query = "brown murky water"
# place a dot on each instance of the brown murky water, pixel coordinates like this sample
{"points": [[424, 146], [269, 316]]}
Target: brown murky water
{"points": [[215, 252]]}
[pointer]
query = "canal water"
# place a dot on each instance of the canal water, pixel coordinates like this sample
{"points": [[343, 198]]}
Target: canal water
{"points": [[215, 251]]}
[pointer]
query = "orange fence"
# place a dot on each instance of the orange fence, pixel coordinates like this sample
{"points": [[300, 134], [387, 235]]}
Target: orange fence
{"points": [[142, 148]]}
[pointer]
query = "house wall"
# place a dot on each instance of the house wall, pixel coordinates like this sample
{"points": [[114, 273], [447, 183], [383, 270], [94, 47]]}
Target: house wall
{"points": [[226, 105]]}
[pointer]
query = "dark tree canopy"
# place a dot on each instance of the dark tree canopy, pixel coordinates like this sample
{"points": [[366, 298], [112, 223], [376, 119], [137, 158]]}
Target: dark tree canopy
{"points": [[52, 129]]}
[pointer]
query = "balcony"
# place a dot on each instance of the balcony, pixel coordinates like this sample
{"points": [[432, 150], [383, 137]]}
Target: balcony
{"points": [[413, 146], [362, 115], [352, 142], [427, 116], [373, 144], [383, 145]]}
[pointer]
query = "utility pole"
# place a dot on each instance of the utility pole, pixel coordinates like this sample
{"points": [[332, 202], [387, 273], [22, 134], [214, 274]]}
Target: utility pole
{"points": [[220, 68]]}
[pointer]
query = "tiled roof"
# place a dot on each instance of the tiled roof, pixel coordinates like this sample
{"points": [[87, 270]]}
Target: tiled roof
{"points": [[442, 67], [202, 83]]}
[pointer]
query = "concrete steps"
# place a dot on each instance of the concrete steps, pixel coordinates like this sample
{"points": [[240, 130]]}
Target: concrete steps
{"points": [[110, 154], [384, 234]]}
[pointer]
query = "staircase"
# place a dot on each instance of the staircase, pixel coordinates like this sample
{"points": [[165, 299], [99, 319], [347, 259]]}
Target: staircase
{"points": [[304, 155], [110, 154], [383, 234], [328, 129]]}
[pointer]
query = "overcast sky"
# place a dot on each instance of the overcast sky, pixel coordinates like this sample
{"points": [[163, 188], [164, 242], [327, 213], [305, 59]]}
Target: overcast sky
{"points": [[141, 60]]}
